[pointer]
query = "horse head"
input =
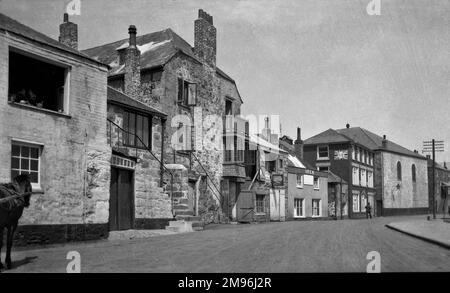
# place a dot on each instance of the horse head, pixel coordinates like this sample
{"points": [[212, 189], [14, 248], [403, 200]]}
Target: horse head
{"points": [[24, 184]]}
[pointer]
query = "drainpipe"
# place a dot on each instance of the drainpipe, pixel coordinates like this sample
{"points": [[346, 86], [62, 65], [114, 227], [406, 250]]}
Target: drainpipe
{"points": [[161, 171]]}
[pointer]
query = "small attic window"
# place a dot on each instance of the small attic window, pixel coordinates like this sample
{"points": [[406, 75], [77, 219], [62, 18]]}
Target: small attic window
{"points": [[35, 82]]}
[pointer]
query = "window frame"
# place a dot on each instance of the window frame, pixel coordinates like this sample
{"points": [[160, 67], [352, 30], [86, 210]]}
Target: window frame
{"points": [[44, 59], [36, 186], [399, 171], [319, 207], [301, 181], [260, 198], [318, 183], [185, 100], [125, 138], [357, 197], [302, 210], [318, 152]]}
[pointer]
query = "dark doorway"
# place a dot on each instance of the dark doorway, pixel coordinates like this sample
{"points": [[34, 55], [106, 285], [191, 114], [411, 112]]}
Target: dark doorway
{"points": [[379, 208], [121, 207]]}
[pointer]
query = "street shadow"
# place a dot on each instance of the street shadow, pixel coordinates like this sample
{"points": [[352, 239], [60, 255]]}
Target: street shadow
{"points": [[27, 260]]}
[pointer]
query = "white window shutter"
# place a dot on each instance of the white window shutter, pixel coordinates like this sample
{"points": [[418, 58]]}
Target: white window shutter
{"points": [[192, 94]]}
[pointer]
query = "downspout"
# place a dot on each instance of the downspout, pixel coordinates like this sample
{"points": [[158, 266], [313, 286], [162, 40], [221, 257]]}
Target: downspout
{"points": [[161, 171]]}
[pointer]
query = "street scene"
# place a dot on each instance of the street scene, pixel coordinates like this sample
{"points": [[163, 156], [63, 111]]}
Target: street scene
{"points": [[241, 136]]}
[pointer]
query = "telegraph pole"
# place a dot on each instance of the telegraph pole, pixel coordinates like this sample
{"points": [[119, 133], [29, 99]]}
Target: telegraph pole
{"points": [[433, 146]]}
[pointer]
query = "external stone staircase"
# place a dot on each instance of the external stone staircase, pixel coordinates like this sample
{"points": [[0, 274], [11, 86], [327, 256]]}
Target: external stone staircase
{"points": [[185, 221]]}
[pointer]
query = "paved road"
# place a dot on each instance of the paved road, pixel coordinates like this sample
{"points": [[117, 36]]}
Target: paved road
{"points": [[320, 246]]}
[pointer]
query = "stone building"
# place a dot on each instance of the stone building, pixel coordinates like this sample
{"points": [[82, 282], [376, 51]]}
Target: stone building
{"points": [[441, 189], [52, 117], [166, 73]]}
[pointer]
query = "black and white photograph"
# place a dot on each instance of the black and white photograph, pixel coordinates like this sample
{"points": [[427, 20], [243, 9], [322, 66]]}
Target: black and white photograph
{"points": [[246, 137]]}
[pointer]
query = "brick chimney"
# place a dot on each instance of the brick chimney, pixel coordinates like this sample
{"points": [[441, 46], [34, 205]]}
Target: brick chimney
{"points": [[68, 33], [131, 56], [298, 144], [205, 38], [384, 142]]}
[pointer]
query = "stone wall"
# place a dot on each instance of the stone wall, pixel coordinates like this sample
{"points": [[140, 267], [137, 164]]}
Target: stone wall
{"points": [[74, 165], [151, 201], [404, 193]]}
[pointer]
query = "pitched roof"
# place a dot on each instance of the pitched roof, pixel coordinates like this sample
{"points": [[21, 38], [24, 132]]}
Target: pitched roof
{"points": [[295, 162], [12, 26], [375, 142], [121, 99], [326, 137], [333, 178], [156, 48]]}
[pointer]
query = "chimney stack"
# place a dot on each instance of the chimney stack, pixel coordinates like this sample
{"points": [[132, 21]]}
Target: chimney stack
{"points": [[205, 38], [384, 142], [445, 165], [132, 58], [298, 144], [347, 125], [68, 33]]}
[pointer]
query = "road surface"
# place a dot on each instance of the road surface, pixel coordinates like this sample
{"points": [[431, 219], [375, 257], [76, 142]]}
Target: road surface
{"points": [[308, 246]]}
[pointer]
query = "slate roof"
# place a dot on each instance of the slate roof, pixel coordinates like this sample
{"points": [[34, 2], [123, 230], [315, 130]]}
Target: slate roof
{"points": [[156, 48], [362, 137], [121, 99], [326, 137], [374, 142], [13, 26]]}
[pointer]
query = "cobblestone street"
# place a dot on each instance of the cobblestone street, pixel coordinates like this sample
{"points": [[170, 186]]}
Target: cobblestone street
{"points": [[319, 246]]}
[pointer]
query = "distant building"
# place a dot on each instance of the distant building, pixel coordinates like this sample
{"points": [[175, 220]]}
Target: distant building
{"points": [[307, 192], [442, 188], [392, 178]]}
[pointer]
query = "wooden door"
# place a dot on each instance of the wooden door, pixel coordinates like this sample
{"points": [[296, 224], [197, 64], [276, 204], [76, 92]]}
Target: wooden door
{"points": [[245, 206], [121, 204]]}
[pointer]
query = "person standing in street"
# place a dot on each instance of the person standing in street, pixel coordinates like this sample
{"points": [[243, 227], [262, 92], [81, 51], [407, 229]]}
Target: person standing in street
{"points": [[368, 211]]}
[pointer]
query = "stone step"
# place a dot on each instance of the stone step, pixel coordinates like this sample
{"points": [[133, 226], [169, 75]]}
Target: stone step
{"points": [[180, 226], [183, 212], [190, 218]]}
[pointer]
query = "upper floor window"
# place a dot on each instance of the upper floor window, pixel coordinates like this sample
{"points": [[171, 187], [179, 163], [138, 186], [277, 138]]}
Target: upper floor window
{"points": [[413, 172], [399, 171], [357, 154], [353, 153], [299, 180], [316, 183], [322, 152], [228, 107], [323, 168], [137, 130], [36, 82], [187, 92]]}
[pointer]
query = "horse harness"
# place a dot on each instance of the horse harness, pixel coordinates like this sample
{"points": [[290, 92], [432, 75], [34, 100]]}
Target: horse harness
{"points": [[10, 197]]}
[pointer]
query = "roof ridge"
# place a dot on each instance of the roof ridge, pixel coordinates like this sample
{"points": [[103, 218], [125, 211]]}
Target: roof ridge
{"points": [[365, 133]]}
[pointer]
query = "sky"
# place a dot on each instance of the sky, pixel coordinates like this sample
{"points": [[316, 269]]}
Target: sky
{"points": [[318, 64]]}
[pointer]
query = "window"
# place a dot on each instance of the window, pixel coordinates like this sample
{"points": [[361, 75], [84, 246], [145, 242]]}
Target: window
{"points": [[399, 171], [363, 178], [260, 203], [370, 178], [357, 154], [299, 180], [25, 159], [322, 152], [228, 107], [316, 183], [323, 168], [280, 164], [137, 130], [413, 172], [299, 207], [355, 203], [37, 83], [353, 153], [316, 208], [187, 93], [355, 176], [234, 149], [270, 166]]}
